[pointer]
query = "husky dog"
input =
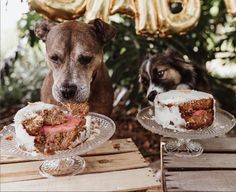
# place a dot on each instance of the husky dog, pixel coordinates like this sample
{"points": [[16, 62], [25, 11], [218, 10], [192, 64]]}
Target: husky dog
{"points": [[168, 70]]}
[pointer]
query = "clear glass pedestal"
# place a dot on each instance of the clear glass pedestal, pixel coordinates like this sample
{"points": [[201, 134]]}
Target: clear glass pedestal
{"points": [[182, 143]]}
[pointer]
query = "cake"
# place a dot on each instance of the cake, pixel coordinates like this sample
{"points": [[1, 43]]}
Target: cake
{"points": [[46, 128], [184, 109]]}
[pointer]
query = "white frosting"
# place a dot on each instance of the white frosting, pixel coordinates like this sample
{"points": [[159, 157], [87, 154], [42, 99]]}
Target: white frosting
{"points": [[176, 97], [170, 116], [88, 126], [22, 137], [25, 140], [31, 110]]}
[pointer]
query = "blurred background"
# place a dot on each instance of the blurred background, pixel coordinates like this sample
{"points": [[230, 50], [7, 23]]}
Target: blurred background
{"points": [[211, 45]]}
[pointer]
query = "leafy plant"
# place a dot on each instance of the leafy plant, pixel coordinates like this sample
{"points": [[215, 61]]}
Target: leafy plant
{"points": [[23, 71]]}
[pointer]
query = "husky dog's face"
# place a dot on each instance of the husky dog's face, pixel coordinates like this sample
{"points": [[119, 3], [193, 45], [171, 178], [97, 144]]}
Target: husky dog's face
{"points": [[163, 72]]}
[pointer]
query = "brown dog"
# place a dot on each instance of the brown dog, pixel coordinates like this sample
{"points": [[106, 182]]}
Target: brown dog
{"points": [[74, 54]]}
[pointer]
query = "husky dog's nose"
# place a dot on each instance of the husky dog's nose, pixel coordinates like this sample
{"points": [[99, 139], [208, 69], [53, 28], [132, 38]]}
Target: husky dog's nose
{"points": [[152, 95], [68, 90]]}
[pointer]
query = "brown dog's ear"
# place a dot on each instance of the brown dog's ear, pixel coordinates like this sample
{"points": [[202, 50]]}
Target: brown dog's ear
{"points": [[104, 31], [42, 28]]}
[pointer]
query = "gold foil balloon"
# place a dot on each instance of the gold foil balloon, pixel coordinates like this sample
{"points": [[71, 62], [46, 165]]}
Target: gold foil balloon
{"points": [[146, 17], [97, 9], [125, 7], [231, 7], [152, 17], [59, 9], [181, 22]]}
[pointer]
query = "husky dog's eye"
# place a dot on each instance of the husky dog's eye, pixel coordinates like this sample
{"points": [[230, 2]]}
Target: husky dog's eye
{"points": [[160, 74], [84, 60], [145, 81], [55, 59]]}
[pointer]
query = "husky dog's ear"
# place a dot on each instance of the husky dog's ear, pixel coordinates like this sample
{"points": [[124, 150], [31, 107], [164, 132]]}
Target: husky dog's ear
{"points": [[186, 69], [170, 52], [42, 28]]}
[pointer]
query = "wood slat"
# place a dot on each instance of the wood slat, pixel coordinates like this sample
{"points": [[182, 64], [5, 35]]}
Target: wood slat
{"points": [[163, 182], [114, 146], [135, 179], [217, 181], [214, 170], [110, 147], [204, 161], [220, 144], [96, 164]]}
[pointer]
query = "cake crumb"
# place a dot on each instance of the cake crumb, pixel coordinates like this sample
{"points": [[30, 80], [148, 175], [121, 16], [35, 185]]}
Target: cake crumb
{"points": [[81, 109], [116, 146], [9, 138], [102, 161]]}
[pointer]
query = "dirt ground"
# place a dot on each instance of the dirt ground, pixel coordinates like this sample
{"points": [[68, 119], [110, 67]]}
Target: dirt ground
{"points": [[128, 127]]}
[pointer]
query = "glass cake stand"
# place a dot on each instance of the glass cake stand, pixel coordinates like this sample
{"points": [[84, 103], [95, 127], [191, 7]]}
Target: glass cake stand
{"points": [[62, 163], [180, 143]]}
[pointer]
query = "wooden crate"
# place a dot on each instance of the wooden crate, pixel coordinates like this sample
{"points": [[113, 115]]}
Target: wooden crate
{"points": [[214, 170], [115, 166]]}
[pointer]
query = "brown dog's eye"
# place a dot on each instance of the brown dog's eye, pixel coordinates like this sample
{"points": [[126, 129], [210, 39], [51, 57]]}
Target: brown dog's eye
{"points": [[55, 59], [84, 60]]}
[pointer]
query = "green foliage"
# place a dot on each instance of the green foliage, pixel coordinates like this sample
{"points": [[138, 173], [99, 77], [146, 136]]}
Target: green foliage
{"points": [[21, 81], [26, 27], [24, 69]]}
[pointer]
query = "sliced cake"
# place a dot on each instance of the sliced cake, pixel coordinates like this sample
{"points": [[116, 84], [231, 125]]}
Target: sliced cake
{"points": [[184, 109], [46, 128]]}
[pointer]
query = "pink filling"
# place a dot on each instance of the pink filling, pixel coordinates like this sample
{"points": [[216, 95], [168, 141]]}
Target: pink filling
{"points": [[68, 126], [198, 112]]}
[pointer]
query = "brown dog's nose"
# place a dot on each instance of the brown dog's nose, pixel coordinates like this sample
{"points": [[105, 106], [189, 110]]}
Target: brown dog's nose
{"points": [[152, 95], [68, 91]]}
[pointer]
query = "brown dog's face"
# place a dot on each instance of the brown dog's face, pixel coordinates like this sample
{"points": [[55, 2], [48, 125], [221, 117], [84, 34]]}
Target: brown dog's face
{"points": [[74, 53], [160, 73]]}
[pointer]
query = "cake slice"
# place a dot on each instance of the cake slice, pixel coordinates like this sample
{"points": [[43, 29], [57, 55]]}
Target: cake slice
{"points": [[46, 128], [184, 109]]}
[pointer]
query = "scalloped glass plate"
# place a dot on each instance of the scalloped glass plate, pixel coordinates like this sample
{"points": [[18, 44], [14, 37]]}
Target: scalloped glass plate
{"points": [[66, 162], [183, 146]]}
